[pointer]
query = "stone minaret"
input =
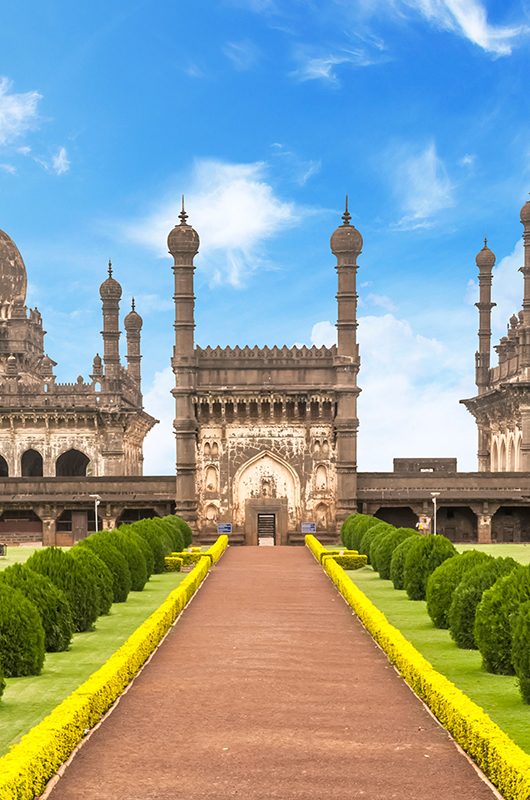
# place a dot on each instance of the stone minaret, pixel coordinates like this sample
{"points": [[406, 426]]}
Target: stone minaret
{"points": [[133, 326], [346, 244], [485, 261], [110, 293], [524, 330], [183, 243]]}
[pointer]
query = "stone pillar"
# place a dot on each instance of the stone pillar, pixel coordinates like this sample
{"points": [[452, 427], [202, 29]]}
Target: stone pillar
{"points": [[183, 244], [346, 244], [484, 448], [48, 515], [485, 261], [484, 529], [525, 441]]}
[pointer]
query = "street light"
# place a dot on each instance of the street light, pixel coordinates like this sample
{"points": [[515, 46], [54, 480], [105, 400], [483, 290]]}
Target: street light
{"points": [[434, 495], [97, 501]]}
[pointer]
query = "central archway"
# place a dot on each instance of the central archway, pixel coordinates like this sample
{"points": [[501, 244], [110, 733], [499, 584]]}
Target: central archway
{"points": [[266, 484]]}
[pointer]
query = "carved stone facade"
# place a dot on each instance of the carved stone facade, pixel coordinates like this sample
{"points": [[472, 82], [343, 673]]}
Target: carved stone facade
{"points": [[266, 432], [91, 427], [502, 405]]}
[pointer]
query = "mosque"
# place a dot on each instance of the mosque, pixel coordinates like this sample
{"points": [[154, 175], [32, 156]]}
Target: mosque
{"points": [[266, 438]]}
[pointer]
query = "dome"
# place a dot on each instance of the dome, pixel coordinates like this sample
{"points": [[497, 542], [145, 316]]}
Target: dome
{"points": [[346, 239], [183, 238], [485, 257], [13, 277], [133, 321], [525, 213], [110, 289]]}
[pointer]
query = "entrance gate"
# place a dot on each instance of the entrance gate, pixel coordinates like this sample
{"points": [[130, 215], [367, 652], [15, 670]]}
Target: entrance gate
{"points": [[266, 529]]}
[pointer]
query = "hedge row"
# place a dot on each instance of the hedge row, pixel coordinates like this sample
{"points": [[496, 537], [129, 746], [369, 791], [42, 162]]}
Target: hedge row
{"points": [[481, 599], [55, 593], [505, 764], [28, 766]]}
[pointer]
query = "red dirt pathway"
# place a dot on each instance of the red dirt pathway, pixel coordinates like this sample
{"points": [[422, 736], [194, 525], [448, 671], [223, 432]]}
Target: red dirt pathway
{"points": [[268, 688]]}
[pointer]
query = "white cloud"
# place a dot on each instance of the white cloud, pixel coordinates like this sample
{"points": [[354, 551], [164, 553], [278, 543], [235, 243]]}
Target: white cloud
{"points": [[507, 289], [468, 160], [235, 210], [243, 54], [409, 404], [153, 304], [381, 301], [322, 66], [469, 19], [159, 447], [18, 112], [422, 186], [60, 162], [9, 168]]}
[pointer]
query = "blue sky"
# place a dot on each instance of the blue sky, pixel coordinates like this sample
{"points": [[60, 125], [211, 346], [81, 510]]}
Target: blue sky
{"points": [[265, 113]]}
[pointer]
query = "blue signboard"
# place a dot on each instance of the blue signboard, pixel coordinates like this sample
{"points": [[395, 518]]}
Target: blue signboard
{"points": [[309, 527], [224, 527]]}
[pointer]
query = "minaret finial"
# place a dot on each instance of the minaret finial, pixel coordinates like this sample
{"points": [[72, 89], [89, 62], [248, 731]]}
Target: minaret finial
{"points": [[485, 241], [183, 216], [346, 217], [110, 268], [133, 305]]}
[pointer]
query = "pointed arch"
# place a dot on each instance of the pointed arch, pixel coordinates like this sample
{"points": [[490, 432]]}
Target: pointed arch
{"points": [[502, 454], [265, 474], [32, 465], [72, 463]]}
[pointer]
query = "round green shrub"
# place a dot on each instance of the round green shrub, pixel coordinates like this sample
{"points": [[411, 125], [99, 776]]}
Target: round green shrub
{"points": [[79, 587], [2, 682], [360, 524], [443, 582], [521, 649], [371, 539], [427, 553], [397, 562], [21, 634], [186, 531], [346, 530], [50, 601], [115, 561], [171, 537], [90, 562], [468, 594], [143, 545], [135, 558], [494, 616], [158, 544], [385, 546]]}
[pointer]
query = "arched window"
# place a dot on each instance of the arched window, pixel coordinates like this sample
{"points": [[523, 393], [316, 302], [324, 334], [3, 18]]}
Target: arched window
{"points": [[321, 513], [211, 513], [210, 479], [502, 456], [32, 466], [72, 463], [321, 478], [4, 469], [207, 449], [511, 454], [215, 449]]}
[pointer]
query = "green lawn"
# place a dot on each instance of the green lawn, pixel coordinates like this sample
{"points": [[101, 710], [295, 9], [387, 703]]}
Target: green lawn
{"points": [[520, 552], [27, 700], [498, 695], [16, 555]]}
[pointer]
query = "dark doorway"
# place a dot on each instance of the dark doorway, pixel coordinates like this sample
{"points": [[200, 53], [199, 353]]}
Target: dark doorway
{"points": [[134, 514], [72, 463], [399, 516], [4, 469], [458, 523], [32, 464], [511, 524], [266, 529]]}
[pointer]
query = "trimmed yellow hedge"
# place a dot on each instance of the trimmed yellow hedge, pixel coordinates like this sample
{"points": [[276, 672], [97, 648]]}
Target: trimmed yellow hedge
{"points": [[506, 765], [29, 765], [349, 560], [173, 563]]}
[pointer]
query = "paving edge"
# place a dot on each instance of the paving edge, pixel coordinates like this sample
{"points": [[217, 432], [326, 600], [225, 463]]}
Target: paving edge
{"points": [[27, 768], [502, 762]]}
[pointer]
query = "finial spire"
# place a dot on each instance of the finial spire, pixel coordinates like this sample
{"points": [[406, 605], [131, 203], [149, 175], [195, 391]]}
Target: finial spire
{"points": [[133, 305], [110, 268], [183, 216], [485, 241], [346, 217]]}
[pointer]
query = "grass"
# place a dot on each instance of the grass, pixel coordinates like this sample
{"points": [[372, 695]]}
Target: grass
{"points": [[520, 552], [16, 555], [27, 700], [498, 695]]}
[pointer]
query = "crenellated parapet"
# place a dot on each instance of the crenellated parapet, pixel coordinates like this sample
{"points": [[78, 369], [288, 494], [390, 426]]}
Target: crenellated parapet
{"points": [[262, 354]]}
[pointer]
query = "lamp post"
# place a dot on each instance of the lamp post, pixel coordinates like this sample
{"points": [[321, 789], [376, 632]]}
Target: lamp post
{"points": [[434, 495], [97, 501]]}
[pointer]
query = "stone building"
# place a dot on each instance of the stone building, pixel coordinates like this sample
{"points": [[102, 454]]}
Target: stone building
{"points": [[266, 437], [502, 404], [93, 427]]}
